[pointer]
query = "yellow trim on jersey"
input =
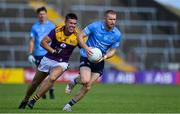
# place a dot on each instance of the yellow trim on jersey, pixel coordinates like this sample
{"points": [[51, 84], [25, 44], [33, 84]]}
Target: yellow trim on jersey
{"points": [[61, 37]]}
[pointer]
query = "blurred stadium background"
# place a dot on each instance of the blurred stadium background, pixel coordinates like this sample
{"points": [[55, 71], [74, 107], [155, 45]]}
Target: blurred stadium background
{"points": [[149, 51]]}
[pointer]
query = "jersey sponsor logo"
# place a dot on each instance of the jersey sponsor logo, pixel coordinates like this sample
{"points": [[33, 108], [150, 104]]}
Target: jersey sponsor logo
{"points": [[63, 45]]}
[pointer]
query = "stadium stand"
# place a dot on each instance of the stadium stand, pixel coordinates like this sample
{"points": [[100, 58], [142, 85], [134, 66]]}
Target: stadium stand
{"points": [[150, 32]]}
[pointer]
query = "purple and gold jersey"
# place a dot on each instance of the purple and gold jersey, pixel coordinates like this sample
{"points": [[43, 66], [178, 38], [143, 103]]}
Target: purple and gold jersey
{"points": [[61, 42]]}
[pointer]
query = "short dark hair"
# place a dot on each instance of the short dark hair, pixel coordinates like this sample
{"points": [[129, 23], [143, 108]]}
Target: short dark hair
{"points": [[41, 9], [110, 12], [71, 16]]}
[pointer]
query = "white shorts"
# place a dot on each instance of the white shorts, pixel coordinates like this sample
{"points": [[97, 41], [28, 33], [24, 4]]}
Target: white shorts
{"points": [[47, 64]]}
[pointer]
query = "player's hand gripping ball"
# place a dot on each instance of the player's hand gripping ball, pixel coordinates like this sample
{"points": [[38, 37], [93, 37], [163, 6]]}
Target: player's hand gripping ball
{"points": [[96, 55]]}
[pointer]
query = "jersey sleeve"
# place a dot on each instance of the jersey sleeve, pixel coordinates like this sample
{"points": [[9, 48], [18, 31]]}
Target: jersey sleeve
{"points": [[52, 34], [117, 43], [89, 29]]}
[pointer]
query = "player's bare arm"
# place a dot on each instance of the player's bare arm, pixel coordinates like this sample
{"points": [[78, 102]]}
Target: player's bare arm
{"points": [[45, 44], [31, 58], [31, 46], [82, 43], [111, 52]]}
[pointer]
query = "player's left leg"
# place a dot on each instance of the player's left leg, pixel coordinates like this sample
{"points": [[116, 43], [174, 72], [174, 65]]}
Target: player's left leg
{"points": [[85, 74], [71, 85], [37, 62], [81, 93], [38, 78]]}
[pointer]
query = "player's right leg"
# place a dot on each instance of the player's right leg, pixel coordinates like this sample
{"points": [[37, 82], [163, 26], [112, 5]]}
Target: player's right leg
{"points": [[85, 73], [38, 78]]}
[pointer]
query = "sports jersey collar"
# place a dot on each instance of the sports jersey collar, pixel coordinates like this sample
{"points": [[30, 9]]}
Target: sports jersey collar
{"points": [[63, 29], [104, 28], [46, 22]]}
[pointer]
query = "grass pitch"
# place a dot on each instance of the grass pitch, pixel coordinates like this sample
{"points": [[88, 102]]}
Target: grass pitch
{"points": [[101, 99]]}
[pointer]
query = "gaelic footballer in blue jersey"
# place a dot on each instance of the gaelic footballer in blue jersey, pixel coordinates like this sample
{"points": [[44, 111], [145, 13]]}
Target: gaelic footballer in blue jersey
{"points": [[39, 30], [63, 40], [103, 35]]}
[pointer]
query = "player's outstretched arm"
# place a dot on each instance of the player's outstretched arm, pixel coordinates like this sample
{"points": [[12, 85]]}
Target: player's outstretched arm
{"points": [[81, 41], [111, 52]]}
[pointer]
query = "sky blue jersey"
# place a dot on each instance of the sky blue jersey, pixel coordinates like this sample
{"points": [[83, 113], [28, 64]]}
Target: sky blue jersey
{"points": [[38, 32], [99, 37]]}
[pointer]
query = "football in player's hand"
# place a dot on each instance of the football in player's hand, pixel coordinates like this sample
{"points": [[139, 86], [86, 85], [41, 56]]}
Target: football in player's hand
{"points": [[96, 54]]}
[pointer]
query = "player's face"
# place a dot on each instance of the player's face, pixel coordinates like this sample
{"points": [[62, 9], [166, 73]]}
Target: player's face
{"points": [[42, 16], [110, 20], [71, 25]]}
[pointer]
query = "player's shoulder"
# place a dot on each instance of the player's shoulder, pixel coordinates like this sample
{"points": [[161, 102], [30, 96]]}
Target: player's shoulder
{"points": [[117, 31], [50, 23], [36, 24], [97, 23], [59, 28]]}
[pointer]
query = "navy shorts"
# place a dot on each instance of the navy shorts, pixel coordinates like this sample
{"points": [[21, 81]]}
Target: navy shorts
{"points": [[38, 60], [95, 67]]}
